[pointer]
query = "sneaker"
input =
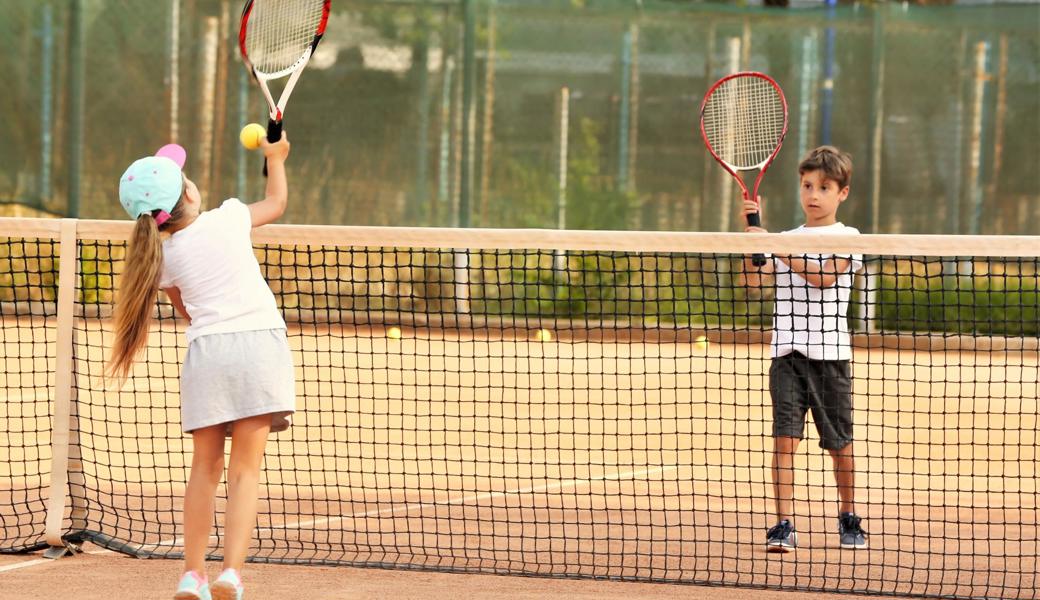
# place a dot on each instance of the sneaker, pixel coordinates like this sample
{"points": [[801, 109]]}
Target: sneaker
{"points": [[228, 586], [192, 587], [782, 537], [852, 535]]}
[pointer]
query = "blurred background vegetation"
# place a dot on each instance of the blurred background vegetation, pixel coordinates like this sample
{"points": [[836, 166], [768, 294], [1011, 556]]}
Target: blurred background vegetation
{"points": [[443, 113]]}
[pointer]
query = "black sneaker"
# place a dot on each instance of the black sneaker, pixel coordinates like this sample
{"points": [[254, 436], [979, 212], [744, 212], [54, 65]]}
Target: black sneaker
{"points": [[852, 535], [782, 537]]}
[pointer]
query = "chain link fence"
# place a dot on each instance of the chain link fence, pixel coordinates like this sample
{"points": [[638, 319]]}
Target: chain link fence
{"points": [[555, 114]]}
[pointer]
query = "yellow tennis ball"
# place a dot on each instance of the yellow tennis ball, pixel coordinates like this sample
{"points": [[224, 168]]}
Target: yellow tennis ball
{"points": [[251, 135], [701, 342], [543, 335], [394, 333]]}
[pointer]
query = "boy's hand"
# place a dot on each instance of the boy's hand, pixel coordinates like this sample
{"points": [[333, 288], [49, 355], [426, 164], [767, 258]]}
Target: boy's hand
{"points": [[276, 151], [751, 207]]}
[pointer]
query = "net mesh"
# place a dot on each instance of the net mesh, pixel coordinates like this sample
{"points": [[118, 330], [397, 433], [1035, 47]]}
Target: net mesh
{"points": [[28, 279], [744, 120], [585, 413], [280, 32]]}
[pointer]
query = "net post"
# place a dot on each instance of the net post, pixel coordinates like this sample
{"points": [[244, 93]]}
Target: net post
{"points": [[563, 123], [981, 78], [62, 438], [725, 180], [210, 41]]}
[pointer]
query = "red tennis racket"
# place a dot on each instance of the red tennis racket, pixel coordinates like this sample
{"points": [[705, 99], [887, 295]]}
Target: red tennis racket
{"points": [[277, 38], [743, 122]]}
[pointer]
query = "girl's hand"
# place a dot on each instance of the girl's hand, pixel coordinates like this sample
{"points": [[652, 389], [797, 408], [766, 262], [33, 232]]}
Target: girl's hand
{"points": [[277, 151]]}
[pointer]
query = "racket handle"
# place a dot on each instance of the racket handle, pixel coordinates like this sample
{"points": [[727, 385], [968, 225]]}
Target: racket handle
{"points": [[274, 133], [755, 221]]}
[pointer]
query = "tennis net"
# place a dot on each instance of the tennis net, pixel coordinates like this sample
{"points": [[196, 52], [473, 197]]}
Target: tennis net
{"points": [[575, 404]]}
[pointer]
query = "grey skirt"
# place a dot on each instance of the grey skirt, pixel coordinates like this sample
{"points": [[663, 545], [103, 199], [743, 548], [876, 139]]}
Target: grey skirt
{"points": [[231, 376]]}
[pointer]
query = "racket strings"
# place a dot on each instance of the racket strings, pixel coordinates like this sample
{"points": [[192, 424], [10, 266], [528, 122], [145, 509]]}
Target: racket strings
{"points": [[280, 32], [744, 120]]}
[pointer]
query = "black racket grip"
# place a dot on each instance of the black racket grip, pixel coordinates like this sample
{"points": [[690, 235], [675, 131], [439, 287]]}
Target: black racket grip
{"points": [[753, 220], [274, 133]]}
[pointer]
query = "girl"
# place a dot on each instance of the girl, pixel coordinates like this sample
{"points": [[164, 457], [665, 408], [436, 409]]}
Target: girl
{"points": [[237, 377]]}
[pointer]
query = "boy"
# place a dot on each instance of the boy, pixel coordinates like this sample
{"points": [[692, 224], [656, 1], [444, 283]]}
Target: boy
{"points": [[811, 347]]}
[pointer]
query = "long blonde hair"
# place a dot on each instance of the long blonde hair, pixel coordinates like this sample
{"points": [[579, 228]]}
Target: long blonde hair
{"points": [[137, 291]]}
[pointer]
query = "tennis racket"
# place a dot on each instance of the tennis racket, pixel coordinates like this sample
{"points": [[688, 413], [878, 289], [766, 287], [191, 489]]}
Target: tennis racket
{"points": [[277, 38], [743, 122]]}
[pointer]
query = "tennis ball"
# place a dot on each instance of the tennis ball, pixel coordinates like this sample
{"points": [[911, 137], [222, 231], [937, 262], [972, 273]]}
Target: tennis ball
{"points": [[543, 335], [394, 333], [252, 135], [701, 343]]}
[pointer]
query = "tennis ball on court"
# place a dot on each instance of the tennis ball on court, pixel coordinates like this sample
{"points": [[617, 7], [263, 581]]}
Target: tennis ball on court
{"points": [[252, 135], [394, 333], [543, 335], [701, 343]]}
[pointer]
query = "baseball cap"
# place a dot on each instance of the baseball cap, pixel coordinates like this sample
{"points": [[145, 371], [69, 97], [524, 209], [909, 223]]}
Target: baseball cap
{"points": [[153, 183]]}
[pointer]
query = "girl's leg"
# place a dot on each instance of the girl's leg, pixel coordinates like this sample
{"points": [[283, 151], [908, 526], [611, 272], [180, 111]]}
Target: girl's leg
{"points": [[248, 441], [207, 466]]}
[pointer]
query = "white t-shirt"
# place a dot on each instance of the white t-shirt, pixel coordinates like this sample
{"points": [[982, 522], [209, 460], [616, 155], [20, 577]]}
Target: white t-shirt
{"points": [[809, 319], [212, 263]]}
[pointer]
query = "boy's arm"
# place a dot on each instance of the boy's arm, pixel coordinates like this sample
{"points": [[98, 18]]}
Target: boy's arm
{"points": [[272, 207], [756, 276], [817, 274]]}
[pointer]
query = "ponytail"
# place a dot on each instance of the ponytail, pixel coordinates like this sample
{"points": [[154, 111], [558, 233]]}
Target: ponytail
{"points": [[138, 290]]}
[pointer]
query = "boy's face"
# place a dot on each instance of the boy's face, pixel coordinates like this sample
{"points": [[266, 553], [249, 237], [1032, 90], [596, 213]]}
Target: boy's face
{"points": [[820, 198]]}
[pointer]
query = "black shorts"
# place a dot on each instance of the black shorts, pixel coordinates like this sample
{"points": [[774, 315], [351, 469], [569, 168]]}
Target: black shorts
{"points": [[799, 384]]}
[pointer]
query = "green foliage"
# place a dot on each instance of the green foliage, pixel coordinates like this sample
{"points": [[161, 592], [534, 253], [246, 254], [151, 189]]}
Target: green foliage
{"points": [[531, 197], [593, 200], [983, 305]]}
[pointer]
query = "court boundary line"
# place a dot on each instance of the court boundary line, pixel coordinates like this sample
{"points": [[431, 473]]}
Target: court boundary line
{"points": [[43, 561], [412, 506]]}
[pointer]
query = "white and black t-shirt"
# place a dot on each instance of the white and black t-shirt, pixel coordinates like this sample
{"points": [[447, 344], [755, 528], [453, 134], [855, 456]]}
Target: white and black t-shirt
{"points": [[809, 319]]}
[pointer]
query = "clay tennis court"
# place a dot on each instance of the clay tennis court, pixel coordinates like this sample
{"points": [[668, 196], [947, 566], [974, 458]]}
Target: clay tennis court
{"points": [[580, 458]]}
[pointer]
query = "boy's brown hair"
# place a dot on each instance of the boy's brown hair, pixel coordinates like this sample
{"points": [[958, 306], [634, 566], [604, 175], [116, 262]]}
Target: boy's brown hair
{"points": [[835, 164]]}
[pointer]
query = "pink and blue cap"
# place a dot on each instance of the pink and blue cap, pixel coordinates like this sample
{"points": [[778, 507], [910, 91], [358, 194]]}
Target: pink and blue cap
{"points": [[154, 183]]}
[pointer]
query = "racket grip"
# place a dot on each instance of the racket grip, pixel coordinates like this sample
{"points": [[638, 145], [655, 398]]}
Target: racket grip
{"points": [[755, 221], [274, 133]]}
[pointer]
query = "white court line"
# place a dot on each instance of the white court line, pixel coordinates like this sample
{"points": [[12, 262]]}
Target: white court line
{"points": [[177, 541], [477, 497], [22, 565], [44, 561]]}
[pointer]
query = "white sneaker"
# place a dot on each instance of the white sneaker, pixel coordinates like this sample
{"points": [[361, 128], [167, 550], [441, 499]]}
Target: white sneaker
{"points": [[228, 586]]}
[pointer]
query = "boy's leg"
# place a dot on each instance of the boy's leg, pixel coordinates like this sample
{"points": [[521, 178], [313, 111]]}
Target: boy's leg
{"points": [[248, 442], [850, 531], [832, 412], [787, 391], [845, 477], [782, 537], [207, 467], [784, 448]]}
